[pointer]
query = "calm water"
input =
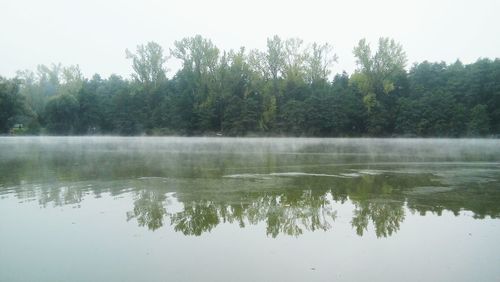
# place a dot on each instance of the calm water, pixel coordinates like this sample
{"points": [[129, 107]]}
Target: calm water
{"points": [[217, 209]]}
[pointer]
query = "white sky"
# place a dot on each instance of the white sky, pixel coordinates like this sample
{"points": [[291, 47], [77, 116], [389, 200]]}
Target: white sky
{"points": [[95, 33]]}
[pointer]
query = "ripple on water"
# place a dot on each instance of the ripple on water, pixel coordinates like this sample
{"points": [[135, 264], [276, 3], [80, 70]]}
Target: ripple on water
{"points": [[248, 176], [152, 178], [422, 190], [370, 172], [284, 174], [351, 175]]}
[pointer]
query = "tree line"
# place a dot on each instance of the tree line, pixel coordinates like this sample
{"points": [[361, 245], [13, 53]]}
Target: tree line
{"points": [[286, 89]]}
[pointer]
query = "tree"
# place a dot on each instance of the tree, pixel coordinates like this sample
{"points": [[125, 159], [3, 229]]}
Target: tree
{"points": [[72, 80], [275, 57], [319, 61], [375, 76], [61, 113], [200, 59], [90, 113], [237, 87], [197, 54], [270, 66], [11, 104], [295, 57], [283, 89], [375, 73], [148, 64], [479, 122]]}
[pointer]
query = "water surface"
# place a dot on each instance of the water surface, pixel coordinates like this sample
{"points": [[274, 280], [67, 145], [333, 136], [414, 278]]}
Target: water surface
{"points": [[225, 209]]}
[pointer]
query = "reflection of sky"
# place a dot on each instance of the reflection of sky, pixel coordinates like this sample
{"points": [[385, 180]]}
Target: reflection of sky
{"points": [[95, 242]]}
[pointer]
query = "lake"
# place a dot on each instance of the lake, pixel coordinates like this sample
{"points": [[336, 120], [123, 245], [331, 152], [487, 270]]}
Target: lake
{"points": [[249, 209]]}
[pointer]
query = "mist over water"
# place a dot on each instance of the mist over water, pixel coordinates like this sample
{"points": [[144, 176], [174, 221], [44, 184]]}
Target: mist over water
{"points": [[287, 207]]}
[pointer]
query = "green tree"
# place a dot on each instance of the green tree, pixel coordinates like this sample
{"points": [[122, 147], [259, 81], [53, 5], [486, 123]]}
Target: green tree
{"points": [[148, 64], [319, 61], [61, 113], [90, 113], [479, 122], [283, 89], [11, 104], [200, 59], [376, 76]]}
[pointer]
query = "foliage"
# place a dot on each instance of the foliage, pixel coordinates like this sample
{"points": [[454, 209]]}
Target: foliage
{"points": [[286, 89], [147, 63], [62, 114], [11, 104]]}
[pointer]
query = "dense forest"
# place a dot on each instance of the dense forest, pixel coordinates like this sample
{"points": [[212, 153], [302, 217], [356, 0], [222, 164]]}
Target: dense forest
{"points": [[287, 89]]}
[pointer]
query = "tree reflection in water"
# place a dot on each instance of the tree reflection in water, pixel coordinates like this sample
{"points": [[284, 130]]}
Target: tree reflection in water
{"points": [[281, 213], [285, 205], [377, 200], [149, 209], [385, 216]]}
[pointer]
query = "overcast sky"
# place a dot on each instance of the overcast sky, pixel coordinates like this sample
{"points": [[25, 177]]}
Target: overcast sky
{"points": [[95, 33]]}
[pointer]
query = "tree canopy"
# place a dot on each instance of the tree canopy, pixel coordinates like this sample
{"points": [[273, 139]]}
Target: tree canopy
{"points": [[286, 89]]}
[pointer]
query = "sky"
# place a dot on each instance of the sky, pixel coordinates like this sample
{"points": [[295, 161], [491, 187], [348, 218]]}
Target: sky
{"points": [[95, 33]]}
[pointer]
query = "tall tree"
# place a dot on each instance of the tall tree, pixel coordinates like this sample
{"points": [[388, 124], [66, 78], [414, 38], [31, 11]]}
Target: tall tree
{"points": [[283, 89], [375, 73], [200, 59], [148, 63], [11, 104], [376, 76], [62, 114], [295, 58], [319, 61]]}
